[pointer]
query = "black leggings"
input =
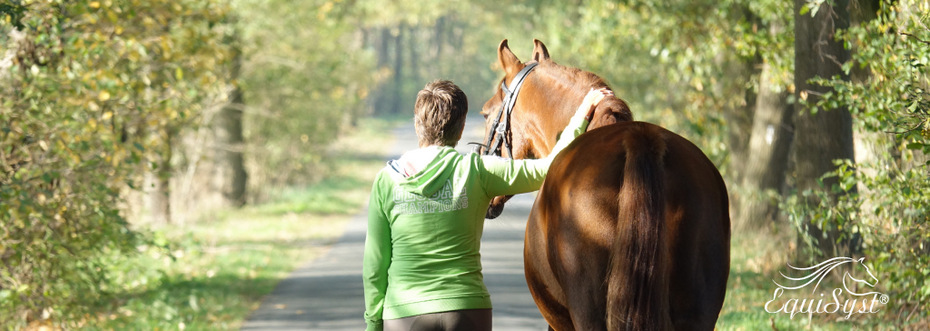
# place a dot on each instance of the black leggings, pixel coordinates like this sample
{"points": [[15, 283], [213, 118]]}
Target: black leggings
{"points": [[456, 320]]}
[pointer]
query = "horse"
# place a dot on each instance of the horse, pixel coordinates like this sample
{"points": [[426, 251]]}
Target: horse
{"points": [[631, 228]]}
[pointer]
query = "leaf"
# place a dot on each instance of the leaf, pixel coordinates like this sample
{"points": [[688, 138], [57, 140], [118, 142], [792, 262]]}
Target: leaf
{"points": [[814, 6]]}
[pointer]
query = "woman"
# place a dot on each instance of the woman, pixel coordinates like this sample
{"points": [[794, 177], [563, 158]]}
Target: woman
{"points": [[422, 267]]}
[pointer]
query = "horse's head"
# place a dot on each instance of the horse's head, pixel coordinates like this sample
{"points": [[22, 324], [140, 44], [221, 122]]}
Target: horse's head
{"points": [[543, 100], [870, 279]]}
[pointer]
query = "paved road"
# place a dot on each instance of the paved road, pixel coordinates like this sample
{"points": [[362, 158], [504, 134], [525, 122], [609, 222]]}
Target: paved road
{"points": [[326, 294]]}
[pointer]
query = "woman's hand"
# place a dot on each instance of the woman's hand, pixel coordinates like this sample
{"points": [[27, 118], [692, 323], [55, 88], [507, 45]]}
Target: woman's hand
{"points": [[592, 99]]}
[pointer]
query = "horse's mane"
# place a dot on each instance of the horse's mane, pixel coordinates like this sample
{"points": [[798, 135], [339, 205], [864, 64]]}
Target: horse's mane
{"points": [[818, 273], [579, 78], [609, 111]]}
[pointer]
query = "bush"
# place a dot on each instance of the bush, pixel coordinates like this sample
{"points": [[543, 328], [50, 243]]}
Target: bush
{"points": [[89, 92]]}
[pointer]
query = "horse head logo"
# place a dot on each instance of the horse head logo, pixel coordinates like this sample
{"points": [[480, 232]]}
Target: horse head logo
{"points": [[818, 272], [870, 281]]}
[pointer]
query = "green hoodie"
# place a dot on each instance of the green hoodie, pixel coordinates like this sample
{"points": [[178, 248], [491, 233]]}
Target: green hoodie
{"points": [[425, 220]]}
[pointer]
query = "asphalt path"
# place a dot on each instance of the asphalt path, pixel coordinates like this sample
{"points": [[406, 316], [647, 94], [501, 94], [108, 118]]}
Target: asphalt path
{"points": [[326, 293]]}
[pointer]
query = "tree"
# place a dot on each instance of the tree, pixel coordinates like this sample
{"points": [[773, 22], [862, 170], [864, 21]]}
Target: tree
{"points": [[822, 136], [90, 92], [229, 136], [301, 77], [769, 144], [763, 176], [887, 96]]}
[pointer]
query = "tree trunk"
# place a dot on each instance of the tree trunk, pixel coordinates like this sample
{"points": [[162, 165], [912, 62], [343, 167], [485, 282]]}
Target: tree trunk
{"points": [[769, 143], [438, 37], [230, 140], [380, 95], [740, 119], [398, 71], [826, 135], [414, 58], [160, 202], [870, 145], [438, 47]]}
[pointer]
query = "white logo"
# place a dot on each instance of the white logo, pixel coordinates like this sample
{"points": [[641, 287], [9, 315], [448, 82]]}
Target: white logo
{"points": [[847, 298], [442, 201]]}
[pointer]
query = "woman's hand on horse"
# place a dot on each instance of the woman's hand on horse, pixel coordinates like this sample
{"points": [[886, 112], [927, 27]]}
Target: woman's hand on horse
{"points": [[592, 99]]}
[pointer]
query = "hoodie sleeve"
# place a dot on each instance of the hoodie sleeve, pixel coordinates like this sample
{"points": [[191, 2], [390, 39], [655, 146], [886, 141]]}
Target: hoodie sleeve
{"points": [[377, 258], [508, 176]]}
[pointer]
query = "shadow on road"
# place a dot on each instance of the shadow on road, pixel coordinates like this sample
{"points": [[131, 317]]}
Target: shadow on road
{"points": [[326, 294]]}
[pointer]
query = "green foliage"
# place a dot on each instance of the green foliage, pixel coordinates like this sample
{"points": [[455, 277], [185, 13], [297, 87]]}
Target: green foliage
{"points": [[413, 43], [890, 213], [12, 12], [211, 274], [89, 90], [890, 200], [303, 76], [683, 65], [833, 208], [93, 92]]}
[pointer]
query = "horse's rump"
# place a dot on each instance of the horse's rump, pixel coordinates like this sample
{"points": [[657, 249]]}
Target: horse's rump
{"points": [[629, 216]]}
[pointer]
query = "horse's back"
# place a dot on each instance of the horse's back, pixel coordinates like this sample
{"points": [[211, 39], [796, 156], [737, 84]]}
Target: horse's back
{"points": [[573, 226]]}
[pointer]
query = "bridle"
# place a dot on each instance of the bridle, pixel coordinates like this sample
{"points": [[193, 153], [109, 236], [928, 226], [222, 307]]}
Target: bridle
{"points": [[500, 130]]}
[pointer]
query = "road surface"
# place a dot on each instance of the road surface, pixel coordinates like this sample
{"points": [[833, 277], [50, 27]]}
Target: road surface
{"points": [[326, 293]]}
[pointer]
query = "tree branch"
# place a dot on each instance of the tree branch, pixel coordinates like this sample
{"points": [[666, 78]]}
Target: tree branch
{"points": [[915, 37]]}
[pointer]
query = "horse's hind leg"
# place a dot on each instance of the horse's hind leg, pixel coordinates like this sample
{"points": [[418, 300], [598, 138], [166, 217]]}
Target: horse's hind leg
{"points": [[589, 318], [586, 299]]}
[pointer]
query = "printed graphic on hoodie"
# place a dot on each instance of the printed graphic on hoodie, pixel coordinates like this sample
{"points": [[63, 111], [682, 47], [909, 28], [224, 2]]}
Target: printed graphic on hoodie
{"points": [[407, 203]]}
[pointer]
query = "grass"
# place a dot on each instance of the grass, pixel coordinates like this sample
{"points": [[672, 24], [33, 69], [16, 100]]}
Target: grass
{"points": [[756, 260], [212, 273]]}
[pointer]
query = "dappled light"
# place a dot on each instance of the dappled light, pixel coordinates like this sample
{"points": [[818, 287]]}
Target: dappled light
{"points": [[164, 164]]}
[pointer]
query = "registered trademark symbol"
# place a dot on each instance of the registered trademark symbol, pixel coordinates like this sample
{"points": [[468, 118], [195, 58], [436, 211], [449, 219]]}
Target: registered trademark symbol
{"points": [[884, 299]]}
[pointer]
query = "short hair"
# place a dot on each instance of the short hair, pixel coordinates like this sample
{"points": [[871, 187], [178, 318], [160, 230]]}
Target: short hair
{"points": [[440, 113]]}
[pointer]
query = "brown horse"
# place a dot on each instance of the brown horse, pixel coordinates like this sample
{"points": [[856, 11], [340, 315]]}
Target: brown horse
{"points": [[631, 229]]}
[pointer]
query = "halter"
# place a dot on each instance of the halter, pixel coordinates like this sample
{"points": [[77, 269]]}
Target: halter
{"points": [[500, 129]]}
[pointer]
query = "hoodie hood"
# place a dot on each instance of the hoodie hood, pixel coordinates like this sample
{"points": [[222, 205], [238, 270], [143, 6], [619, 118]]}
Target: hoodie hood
{"points": [[424, 171]]}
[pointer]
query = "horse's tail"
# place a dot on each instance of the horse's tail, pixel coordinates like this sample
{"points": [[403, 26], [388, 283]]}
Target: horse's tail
{"points": [[637, 283]]}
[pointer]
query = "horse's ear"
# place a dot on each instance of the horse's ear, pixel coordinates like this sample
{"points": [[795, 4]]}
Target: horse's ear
{"points": [[509, 61], [540, 53]]}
